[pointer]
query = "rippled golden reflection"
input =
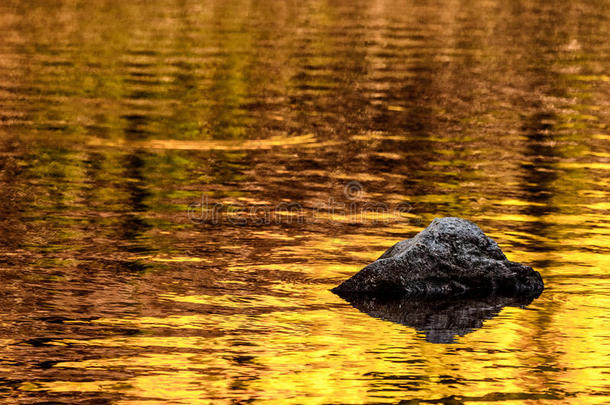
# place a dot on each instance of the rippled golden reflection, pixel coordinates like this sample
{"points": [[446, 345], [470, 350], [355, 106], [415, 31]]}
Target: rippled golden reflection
{"points": [[183, 182]]}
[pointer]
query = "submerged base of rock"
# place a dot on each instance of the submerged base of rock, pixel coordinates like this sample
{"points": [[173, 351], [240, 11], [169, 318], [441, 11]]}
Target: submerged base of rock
{"points": [[452, 257], [439, 320]]}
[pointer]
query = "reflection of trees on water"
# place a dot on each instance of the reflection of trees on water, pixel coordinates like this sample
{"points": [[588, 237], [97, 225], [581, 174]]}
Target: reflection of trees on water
{"points": [[543, 185], [131, 225], [420, 77], [13, 199]]}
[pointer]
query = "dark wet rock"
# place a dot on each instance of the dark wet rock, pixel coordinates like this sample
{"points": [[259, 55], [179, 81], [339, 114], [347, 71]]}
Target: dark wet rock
{"points": [[452, 257], [440, 320]]}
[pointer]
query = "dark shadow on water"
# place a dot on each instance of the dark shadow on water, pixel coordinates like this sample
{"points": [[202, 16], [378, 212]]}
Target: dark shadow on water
{"points": [[441, 320]]}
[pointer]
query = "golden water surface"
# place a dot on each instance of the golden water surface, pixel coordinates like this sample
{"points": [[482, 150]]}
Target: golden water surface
{"points": [[182, 181]]}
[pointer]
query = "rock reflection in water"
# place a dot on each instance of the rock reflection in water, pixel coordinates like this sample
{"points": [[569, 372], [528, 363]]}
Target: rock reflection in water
{"points": [[440, 320]]}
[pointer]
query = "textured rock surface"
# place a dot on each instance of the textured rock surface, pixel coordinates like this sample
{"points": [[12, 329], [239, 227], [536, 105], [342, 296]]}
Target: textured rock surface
{"points": [[440, 320], [452, 257]]}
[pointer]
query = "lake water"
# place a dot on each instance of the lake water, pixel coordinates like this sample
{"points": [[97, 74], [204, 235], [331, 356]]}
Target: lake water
{"points": [[183, 181]]}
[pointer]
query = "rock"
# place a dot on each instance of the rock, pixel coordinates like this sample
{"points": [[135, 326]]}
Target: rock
{"points": [[452, 257], [440, 320]]}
